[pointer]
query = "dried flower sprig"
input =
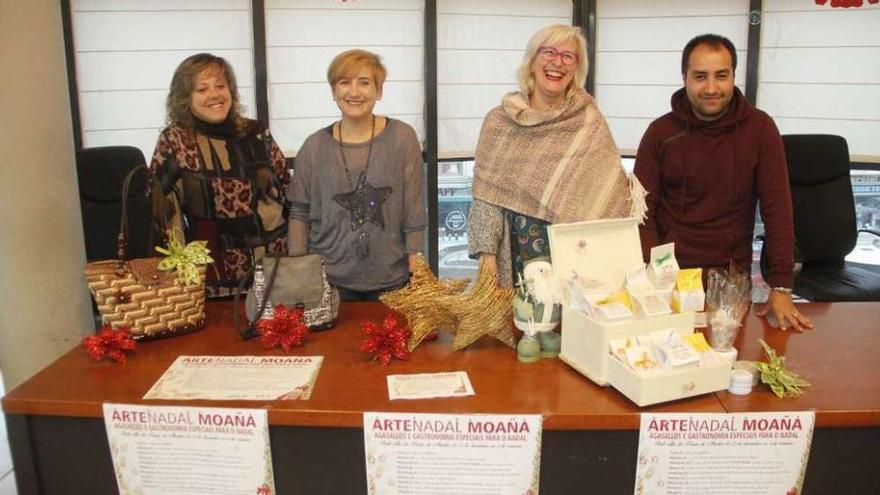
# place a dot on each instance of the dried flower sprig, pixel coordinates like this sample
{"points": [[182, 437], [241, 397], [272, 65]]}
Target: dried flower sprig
{"points": [[782, 382]]}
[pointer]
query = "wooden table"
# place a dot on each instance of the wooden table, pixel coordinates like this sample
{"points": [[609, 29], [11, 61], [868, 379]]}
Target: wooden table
{"points": [[591, 433]]}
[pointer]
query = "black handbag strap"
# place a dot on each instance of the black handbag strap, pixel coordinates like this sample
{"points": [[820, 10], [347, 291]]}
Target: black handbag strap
{"points": [[122, 236], [249, 330]]}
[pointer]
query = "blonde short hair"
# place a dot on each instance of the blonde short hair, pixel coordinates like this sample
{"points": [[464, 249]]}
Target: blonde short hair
{"points": [[348, 63], [552, 35]]}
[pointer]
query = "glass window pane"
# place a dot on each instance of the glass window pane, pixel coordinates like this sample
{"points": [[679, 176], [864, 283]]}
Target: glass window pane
{"points": [[866, 190], [454, 203]]}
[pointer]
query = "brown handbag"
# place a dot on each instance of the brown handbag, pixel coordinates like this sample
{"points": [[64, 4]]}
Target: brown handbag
{"points": [[136, 294]]}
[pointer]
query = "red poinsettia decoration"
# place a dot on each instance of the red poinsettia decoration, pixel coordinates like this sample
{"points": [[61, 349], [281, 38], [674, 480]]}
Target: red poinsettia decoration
{"points": [[109, 343], [845, 3], [386, 341], [285, 329]]}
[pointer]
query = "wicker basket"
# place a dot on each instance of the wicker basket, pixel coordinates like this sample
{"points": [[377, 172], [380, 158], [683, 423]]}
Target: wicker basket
{"points": [[136, 294], [152, 304]]}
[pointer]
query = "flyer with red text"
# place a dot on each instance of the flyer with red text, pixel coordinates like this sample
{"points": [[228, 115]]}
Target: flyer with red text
{"points": [[188, 450], [430, 454], [713, 454], [238, 378]]}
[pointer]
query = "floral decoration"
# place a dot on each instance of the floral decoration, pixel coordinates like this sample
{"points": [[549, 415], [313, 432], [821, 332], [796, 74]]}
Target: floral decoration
{"points": [[285, 329], [109, 343], [386, 341]]}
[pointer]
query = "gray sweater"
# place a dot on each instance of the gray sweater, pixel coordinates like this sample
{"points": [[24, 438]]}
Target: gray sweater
{"points": [[319, 175]]}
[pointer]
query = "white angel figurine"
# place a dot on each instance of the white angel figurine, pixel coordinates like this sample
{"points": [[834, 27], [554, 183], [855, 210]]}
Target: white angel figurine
{"points": [[537, 306]]}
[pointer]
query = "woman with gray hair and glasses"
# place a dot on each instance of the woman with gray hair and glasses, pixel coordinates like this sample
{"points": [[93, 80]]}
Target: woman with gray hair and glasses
{"points": [[545, 155]]}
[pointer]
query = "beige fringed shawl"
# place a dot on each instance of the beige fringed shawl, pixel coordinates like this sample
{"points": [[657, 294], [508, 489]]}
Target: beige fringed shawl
{"points": [[560, 165]]}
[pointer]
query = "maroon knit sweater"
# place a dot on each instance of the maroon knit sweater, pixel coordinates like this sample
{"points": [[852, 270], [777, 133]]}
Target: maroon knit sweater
{"points": [[704, 180]]}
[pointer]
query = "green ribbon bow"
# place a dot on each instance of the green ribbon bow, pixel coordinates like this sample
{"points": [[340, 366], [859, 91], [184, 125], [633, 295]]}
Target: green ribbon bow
{"points": [[782, 381], [184, 258]]}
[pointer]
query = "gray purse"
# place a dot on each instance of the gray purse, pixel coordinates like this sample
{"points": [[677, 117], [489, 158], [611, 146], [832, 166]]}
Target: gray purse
{"points": [[294, 281]]}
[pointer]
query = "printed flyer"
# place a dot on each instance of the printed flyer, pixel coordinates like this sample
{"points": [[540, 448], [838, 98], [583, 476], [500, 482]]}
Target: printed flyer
{"points": [[238, 378], [434, 454], [189, 450], [429, 385], [715, 454]]}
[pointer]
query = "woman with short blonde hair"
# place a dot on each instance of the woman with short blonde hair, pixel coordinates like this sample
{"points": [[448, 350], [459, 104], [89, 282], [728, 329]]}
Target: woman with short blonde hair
{"points": [[356, 194], [351, 62]]}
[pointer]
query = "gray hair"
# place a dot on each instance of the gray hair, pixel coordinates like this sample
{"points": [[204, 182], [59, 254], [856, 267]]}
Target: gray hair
{"points": [[552, 35]]}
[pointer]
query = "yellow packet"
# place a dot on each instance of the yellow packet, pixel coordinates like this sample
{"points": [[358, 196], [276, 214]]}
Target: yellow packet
{"points": [[689, 279], [621, 297], [698, 341], [688, 294]]}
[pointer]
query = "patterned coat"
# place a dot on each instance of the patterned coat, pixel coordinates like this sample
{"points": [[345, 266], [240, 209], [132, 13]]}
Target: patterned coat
{"points": [[230, 189]]}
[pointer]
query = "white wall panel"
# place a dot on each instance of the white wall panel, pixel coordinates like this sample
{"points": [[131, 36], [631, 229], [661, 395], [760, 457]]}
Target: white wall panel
{"points": [[309, 100], [342, 5], [529, 8], [669, 8], [165, 30], [145, 5], [464, 101], [287, 131], [343, 27], [302, 38], [297, 130], [828, 27], [109, 110], [458, 137], [852, 65], [638, 55], [804, 5], [627, 132], [309, 63], [486, 32], [634, 101], [143, 139], [126, 52], [667, 33], [648, 68], [480, 46], [101, 71], [819, 71], [832, 101], [861, 136], [478, 66]]}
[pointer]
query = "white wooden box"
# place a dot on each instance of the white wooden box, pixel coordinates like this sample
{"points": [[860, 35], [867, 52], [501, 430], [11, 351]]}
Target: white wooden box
{"points": [[652, 387], [586, 342], [605, 250]]}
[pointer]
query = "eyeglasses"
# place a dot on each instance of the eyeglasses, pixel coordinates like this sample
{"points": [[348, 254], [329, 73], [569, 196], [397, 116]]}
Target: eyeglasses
{"points": [[550, 53]]}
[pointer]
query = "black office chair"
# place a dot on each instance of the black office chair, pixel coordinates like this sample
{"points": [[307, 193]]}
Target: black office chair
{"points": [[825, 220], [100, 173]]}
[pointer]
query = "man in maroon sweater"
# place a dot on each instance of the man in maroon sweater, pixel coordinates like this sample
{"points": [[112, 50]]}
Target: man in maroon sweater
{"points": [[705, 166]]}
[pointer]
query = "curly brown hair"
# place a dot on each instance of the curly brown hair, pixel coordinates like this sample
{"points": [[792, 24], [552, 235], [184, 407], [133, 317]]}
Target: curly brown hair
{"points": [[183, 84]]}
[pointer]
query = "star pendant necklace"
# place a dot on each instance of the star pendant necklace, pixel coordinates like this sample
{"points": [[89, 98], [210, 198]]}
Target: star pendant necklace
{"points": [[363, 201]]}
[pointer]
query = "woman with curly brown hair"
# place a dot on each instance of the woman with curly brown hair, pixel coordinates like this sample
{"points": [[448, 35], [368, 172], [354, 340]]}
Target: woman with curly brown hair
{"points": [[225, 170]]}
